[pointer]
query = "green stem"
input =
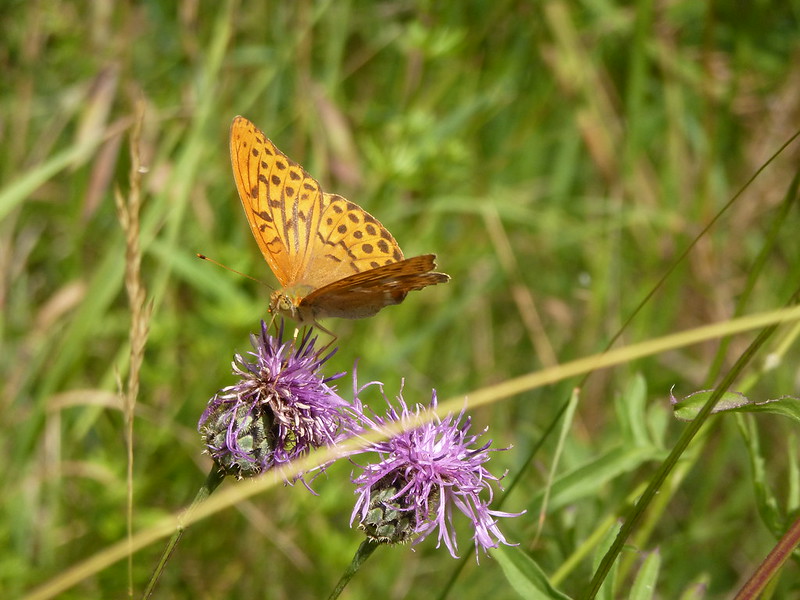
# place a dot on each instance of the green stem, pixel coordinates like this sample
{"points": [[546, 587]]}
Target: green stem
{"points": [[213, 480], [636, 513], [364, 551]]}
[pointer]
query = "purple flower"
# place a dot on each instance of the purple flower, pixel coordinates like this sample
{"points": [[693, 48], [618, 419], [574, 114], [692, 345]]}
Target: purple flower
{"points": [[423, 474], [280, 409]]}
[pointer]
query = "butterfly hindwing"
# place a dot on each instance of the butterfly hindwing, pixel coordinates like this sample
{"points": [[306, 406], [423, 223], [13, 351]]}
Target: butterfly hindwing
{"points": [[364, 294], [349, 241]]}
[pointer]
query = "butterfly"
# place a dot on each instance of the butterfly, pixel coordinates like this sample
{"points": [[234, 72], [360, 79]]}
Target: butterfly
{"points": [[331, 257]]}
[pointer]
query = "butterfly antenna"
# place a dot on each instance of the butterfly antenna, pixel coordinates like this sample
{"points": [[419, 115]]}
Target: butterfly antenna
{"points": [[227, 268]]}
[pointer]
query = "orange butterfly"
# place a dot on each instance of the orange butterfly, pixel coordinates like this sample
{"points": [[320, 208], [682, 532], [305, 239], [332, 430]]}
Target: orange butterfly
{"points": [[332, 257]]}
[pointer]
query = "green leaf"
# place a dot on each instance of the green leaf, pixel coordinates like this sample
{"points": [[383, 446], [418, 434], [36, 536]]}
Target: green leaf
{"points": [[631, 409], [698, 590], [606, 591], [588, 478], [524, 575], [645, 584], [766, 501], [21, 187], [688, 408]]}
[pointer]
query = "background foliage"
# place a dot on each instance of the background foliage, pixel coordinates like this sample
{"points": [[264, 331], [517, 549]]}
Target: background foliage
{"points": [[558, 156]]}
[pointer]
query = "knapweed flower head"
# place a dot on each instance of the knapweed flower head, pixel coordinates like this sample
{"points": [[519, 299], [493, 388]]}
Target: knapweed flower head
{"points": [[422, 476], [280, 409]]}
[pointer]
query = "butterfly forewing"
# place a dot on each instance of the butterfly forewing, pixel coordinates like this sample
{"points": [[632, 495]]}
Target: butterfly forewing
{"points": [[282, 202]]}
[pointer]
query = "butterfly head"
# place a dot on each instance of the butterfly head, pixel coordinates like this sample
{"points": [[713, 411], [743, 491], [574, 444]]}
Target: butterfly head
{"points": [[284, 304], [281, 304]]}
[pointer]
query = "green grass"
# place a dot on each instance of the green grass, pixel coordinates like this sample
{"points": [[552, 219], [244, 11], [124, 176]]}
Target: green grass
{"points": [[558, 157]]}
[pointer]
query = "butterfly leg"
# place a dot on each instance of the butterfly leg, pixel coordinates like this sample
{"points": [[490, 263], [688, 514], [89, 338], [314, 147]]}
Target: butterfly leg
{"points": [[334, 337], [304, 332], [272, 322]]}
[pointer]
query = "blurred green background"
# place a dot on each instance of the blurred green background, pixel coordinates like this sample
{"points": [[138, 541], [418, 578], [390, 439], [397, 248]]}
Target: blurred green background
{"points": [[557, 156]]}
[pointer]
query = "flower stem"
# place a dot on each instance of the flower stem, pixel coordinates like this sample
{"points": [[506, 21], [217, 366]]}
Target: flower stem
{"points": [[213, 480], [364, 551], [772, 564]]}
